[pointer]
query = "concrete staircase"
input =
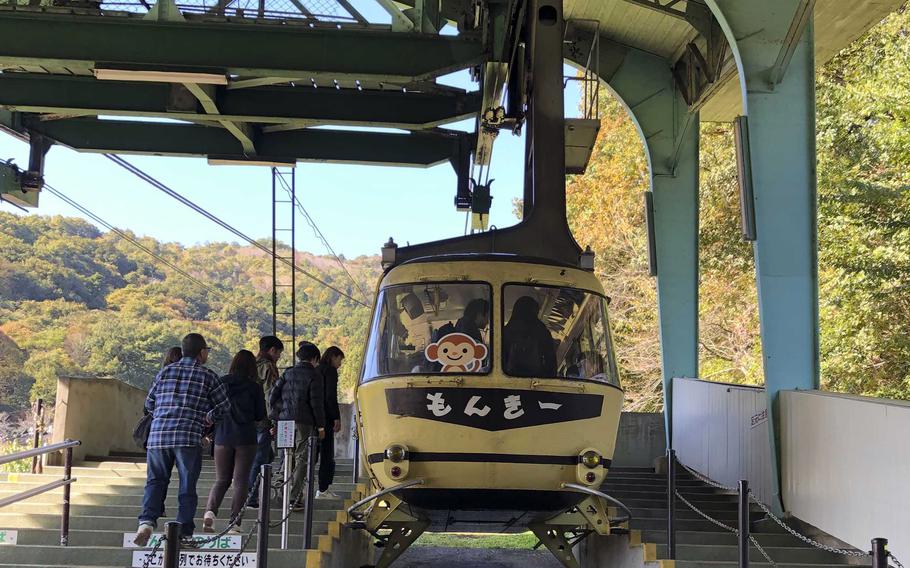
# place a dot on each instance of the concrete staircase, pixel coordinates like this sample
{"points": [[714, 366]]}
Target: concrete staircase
{"points": [[700, 543], [106, 500]]}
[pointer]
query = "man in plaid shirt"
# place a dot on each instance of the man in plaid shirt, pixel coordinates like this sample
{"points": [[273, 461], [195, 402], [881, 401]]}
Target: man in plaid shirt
{"points": [[185, 397]]}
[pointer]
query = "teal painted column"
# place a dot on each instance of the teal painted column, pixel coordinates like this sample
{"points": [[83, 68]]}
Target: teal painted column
{"points": [[676, 247], [670, 134], [782, 138]]}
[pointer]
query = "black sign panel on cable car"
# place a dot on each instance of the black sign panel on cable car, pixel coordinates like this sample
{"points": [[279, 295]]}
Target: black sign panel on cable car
{"points": [[492, 409]]}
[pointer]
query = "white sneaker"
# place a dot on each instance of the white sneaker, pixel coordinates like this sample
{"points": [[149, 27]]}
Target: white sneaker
{"points": [[143, 534], [326, 495], [208, 522]]}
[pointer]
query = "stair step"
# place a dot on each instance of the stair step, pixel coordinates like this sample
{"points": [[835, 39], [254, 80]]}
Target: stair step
{"points": [[114, 538], [111, 556], [83, 496], [719, 537], [728, 553], [127, 522], [689, 524]]}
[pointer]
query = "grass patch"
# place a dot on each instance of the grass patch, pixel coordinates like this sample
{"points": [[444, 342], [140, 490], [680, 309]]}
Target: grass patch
{"points": [[525, 540], [21, 466]]}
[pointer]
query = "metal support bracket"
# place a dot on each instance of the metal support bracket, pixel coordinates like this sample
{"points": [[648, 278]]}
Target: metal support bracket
{"points": [[402, 536], [556, 542]]}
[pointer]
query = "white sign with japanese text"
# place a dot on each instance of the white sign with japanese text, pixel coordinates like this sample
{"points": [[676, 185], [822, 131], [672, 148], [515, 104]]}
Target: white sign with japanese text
{"points": [[285, 435], [8, 537], [196, 558], [227, 542]]}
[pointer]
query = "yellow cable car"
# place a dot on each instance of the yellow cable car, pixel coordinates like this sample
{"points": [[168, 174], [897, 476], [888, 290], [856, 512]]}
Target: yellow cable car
{"points": [[489, 385]]}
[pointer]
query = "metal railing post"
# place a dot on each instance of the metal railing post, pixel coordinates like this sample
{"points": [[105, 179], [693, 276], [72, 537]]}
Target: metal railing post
{"points": [[310, 489], [37, 465], [671, 503], [67, 475], [285, 498], [356, 466], [879, 552], [743, 523], [172, 544], [265, 494]]}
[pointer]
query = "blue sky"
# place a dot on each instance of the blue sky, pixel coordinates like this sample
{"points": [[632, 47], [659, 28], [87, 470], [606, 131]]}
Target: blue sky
{"points": [[356, 207]]}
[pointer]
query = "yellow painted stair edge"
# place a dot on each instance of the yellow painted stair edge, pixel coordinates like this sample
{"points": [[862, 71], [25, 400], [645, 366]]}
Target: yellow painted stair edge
{"points": [[313, 559]]}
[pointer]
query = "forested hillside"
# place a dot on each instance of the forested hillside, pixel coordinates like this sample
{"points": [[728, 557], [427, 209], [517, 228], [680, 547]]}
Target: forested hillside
{"points": [[77, 301]]}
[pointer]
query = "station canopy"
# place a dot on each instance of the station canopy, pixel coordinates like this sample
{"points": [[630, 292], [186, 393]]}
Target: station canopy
{"points": [[255, 80]]}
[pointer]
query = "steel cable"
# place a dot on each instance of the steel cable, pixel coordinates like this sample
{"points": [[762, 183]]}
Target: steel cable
{"points": [[230, 228]]}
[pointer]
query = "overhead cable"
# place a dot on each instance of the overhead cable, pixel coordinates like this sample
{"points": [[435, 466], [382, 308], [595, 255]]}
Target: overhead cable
{"points": [[135, 242], [320, 236], [205, 213]]}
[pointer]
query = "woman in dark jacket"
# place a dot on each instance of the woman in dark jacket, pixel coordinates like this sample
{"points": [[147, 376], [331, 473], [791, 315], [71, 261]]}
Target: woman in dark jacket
{"points": [[235, 439], [328, 370]]}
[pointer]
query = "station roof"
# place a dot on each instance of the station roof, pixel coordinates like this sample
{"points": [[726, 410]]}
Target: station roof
{"points": [[660, 27], [290, 66]]}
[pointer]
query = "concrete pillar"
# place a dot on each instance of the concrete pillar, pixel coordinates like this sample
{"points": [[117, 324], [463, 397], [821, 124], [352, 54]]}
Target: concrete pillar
{"points": [[775, 56]]}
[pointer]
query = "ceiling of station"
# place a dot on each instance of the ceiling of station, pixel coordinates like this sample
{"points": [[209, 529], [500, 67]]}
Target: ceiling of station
{"points": [[659, 27]]}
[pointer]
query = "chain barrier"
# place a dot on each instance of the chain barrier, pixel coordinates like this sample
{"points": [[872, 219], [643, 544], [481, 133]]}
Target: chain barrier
{"points": [[235, 521], [726, 527], [246, 542], [779, 521], [277, 524], [151, 555]]}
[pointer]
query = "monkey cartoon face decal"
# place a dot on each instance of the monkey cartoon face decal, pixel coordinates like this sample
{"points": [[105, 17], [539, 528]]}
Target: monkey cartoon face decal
{"points": [[457, 353]]}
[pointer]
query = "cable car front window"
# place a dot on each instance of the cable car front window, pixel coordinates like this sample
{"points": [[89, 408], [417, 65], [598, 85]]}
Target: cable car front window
{"points": [[556, 332], [430, 328]]}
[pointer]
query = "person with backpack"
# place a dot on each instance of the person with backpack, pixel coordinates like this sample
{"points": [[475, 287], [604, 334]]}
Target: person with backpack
{"points": [[270, 349], [328, 370], [298, 396], [235, 439]]}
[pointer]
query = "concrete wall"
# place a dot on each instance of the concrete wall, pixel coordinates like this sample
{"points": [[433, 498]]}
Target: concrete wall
{"points": [[641, 438], [845, 464], [344, 440], [100, 412], [721, 430]]}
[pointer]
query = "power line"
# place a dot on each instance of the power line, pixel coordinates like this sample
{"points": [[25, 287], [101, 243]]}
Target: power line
{"points": [[320, 236], [128, 238], [205, 213]]}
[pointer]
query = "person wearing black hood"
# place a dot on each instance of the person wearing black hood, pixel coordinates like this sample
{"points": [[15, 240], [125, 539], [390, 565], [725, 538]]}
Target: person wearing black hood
{"points": [[235, 439], [328, 370], [528, 349]]}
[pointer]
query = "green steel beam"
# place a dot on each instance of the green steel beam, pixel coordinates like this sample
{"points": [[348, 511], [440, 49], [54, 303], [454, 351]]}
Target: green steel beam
{"points": [[243, 132], [81, 42], [168, 139], [39, 93]]}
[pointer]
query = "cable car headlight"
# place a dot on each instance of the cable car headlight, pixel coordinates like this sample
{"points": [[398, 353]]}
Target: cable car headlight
{"points": [[396, 453], [590, 459]]}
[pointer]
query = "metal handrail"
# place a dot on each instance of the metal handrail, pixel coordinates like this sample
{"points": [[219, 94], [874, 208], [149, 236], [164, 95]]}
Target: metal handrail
{"points": [[582, 489], [24, 454], [29, 493], [67, 447]]}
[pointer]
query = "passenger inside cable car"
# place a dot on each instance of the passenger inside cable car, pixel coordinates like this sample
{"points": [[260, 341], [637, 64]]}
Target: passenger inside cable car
{"points": [[556, 332], [409, 332], [549, 332]]}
